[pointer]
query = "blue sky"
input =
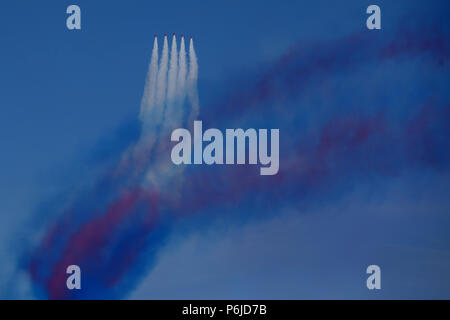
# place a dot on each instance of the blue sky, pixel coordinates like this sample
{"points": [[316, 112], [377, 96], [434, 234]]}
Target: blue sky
{"points": [[67, 92]]}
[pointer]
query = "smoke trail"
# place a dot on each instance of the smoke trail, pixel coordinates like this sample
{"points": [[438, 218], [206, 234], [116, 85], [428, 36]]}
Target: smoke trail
{"points": [[107, 231], [161, 172], [173, 69], [192, 83], [172, 91], [156, 104], [161, 86], [302, 65], [182, 71], [148, 98]]}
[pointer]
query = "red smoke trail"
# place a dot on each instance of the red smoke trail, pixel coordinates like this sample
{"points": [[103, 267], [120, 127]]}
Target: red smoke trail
{"points": [[295, 70], [343, 146], [88, 243]]}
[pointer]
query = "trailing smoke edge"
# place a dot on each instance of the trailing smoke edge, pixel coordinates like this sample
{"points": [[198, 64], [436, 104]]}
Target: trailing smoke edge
{"points": [[169, 100], [171, 79]]}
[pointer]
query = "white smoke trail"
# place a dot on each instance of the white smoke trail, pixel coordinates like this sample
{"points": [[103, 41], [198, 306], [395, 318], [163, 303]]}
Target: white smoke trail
{"points": [[182, 71], [172, 91], [148, 98], [173, 69], [161, 85], [174, 83], [192, 83]]}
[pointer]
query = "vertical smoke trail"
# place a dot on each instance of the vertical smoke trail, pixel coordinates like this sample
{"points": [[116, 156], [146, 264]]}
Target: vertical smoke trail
{"points": [[182, 71], [173, 69], [172, 91], [173, 116], [161, 85], [148, 98], [192, 83]]}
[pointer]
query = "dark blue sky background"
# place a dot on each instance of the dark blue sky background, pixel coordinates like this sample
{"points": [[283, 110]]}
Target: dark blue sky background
{"points": [[62, 92]]}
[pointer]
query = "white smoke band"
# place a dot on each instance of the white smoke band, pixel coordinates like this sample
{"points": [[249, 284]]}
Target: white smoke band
{"points": [[181, 82], [161, 85], [182, 72], [148, 98], [172, 91], [192, 84], [173, 69]]}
